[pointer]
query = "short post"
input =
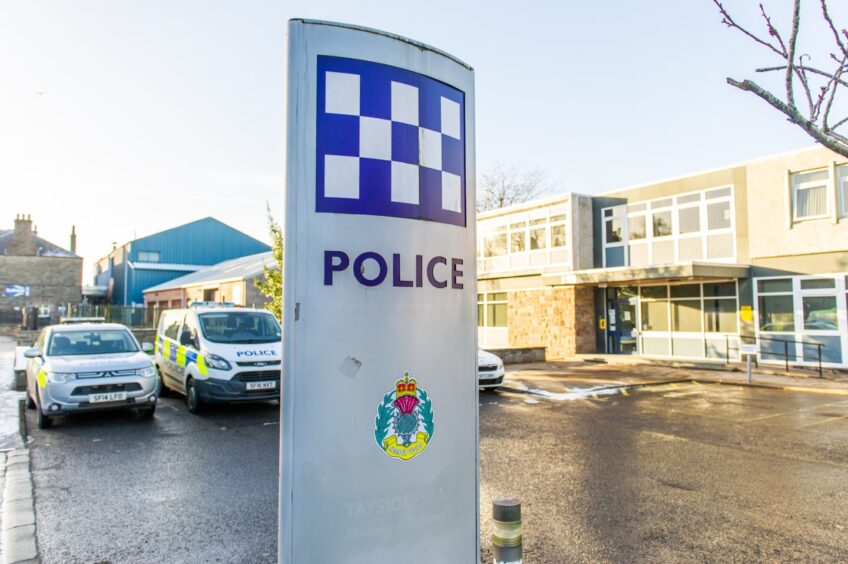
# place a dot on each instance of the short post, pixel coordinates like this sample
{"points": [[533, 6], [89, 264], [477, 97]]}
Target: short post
{"points": [[506, 531], [786, 353], [819, 347], [749, 368], [727, 349]]}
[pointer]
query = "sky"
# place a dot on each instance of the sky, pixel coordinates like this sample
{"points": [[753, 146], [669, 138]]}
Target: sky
{"points": [[126, 118]]}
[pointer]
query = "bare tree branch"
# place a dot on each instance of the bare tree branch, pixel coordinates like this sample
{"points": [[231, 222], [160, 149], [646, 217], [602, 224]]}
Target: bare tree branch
{"points": [[834, 144], [826, 83], [805, 69], [506, 185], [729, 22], [832, 26]]}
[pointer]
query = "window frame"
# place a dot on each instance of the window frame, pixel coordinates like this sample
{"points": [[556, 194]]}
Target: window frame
{"points": [[808, 185]]}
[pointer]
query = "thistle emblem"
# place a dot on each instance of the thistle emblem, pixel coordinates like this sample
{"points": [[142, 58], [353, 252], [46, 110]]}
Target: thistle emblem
{"points": [[404, 422]]}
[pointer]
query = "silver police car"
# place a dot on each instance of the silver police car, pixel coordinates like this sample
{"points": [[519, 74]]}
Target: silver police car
{"points": [[89, 367]]}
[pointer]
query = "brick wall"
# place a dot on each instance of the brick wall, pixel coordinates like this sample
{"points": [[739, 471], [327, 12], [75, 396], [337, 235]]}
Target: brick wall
{"points": [[560, 318], [52, 280]]}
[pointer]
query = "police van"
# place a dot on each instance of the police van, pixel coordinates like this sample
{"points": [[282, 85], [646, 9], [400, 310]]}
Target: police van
{"points": [[212, 353]]}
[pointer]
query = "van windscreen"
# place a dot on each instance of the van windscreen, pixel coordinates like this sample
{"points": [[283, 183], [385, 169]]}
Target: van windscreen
{"points": [[239, 327]]}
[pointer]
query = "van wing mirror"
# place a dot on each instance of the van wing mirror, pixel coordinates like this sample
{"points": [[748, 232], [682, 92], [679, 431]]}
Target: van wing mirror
{"points": [[32, 353], [185, 339], [147, 347]]}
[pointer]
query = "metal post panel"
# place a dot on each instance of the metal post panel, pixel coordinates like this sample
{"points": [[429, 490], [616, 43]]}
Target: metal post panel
{"points": [[378, 449]]}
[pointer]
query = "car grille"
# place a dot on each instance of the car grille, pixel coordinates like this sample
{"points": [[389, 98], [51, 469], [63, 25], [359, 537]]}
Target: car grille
{"points": [[258, 376], [488, 368], [260, 363], [108, 374], [105, 388]]}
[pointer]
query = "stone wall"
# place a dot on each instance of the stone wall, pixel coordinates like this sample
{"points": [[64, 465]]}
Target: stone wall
{"points": [[52, 280], [559, 318]]}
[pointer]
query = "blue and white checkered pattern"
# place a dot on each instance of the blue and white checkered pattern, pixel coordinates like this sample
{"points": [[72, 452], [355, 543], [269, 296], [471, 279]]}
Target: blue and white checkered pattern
{"points": [[390, 142]]}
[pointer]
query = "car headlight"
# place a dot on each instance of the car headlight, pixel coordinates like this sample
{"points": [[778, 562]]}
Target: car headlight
{"points": [[60, 377], [148, 372], [217, 362]]}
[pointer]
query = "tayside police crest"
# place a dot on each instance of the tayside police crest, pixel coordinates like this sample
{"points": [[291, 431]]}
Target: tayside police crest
{"points": [[404, 422]]}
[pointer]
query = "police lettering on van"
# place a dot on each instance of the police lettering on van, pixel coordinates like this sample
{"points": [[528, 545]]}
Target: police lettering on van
{"points": [[214, 354]]}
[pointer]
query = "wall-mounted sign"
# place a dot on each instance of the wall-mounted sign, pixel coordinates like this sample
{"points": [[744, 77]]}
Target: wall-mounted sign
{"points": [[746, 313], [16, 291], [379, 415]]}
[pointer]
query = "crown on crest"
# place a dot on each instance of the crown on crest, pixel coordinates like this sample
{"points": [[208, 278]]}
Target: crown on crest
{"points": [[406, 387]]}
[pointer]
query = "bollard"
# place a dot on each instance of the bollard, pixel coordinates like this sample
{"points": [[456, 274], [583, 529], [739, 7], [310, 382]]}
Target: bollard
{"points": [[506, 531]]}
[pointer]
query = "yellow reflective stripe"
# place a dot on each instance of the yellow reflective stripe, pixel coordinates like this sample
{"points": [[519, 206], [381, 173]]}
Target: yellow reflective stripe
{"points": [[42, 379], [201, 365], [181, 357]]}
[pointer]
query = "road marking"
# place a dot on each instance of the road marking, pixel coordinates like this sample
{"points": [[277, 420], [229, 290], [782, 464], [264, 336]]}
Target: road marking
{"points": [[794, 411], [826, 391], [823, 421]]}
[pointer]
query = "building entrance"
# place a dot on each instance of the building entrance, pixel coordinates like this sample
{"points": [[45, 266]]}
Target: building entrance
{"points": [[622, 327]]}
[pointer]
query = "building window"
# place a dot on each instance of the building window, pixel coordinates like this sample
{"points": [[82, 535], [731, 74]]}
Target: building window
{"points": [[148, 256], [492, 309], [689, 227], [662, 224], [842, 187], [809, 194], [523, 240]]}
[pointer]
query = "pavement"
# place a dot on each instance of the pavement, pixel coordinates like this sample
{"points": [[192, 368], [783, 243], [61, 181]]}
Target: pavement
{"points": [[628, 374], [17, 517], [612, 463]]}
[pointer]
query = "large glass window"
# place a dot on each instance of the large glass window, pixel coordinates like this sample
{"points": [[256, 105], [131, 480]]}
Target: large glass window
{"points": [[809, 191], [674, 229], [538, 237], [494, 244], [720, 316], [842, 187], [492, 309], [689, 219], [776, 313], [558, 235], [655, 316], [662, 223], [820, 313], [686, 315], [615, 229], [718, 215], [636, 225]]}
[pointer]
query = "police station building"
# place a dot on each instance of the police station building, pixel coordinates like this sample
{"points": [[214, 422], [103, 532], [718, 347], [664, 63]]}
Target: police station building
{"points": [[685, 268]]}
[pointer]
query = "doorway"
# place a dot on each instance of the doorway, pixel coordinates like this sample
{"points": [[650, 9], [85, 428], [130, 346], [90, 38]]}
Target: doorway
{"points": [[622, 325]]}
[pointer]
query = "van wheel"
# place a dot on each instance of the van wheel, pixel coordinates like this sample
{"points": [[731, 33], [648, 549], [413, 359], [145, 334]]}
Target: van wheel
{"points": [[42, 420], [193, 401], [29, 401], [164, 391]]}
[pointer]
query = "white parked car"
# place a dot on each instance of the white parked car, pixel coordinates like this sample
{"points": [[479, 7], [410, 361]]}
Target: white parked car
{"points": [[490, 370], [89, 367]]}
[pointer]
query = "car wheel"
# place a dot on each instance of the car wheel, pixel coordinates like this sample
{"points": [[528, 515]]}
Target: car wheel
{"points": [[193, 402], [42, 420], [29, 401], [147, 413]]}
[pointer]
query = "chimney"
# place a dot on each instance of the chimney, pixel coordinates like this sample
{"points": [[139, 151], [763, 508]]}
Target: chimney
{"points": [[74, 239], [22, 242]]}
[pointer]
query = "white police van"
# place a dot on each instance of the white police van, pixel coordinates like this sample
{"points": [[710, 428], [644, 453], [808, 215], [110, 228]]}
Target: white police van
{"points": [[212, 353]]}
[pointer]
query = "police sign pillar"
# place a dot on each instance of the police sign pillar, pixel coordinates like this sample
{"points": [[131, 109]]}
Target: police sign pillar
{"points": [[379, 415]]}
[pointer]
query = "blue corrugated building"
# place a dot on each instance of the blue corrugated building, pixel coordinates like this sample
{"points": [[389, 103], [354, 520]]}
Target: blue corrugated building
{"points": [[139, 264]]}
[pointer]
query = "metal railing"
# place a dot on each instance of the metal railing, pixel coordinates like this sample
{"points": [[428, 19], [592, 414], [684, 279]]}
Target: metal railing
{"points": [[785, 355]]}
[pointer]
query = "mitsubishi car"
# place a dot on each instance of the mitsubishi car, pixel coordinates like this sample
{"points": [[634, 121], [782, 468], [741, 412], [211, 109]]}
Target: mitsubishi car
{"points": [[490, 370], [89, 367]]}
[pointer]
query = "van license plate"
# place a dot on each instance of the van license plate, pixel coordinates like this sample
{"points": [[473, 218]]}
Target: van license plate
{"points": [[261, 385], [111, 396]]}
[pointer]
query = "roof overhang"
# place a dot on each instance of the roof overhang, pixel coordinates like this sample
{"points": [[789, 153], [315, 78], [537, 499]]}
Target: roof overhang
{"points": [[667, 272]]}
